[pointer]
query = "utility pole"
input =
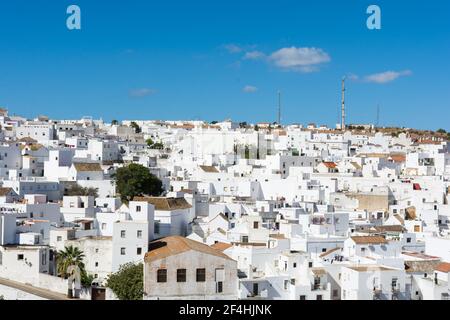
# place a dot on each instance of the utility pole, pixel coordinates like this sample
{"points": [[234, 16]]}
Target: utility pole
{"points": [[343, 105]]}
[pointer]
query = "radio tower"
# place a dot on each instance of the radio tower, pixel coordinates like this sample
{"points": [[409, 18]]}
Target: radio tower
{"points": [[279, 108], [343, 105]]}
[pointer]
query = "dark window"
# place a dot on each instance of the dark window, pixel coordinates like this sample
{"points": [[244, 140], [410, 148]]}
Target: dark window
{"points": [[319, 297], [161, 275], [139, 251], [139, 234], [181, 275], [245, 239], [302, 297], [310, 264], [255, 225], [201, 275], [219, 287], [20, 257]]}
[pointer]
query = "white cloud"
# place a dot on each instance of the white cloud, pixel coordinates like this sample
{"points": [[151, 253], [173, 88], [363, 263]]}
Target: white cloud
{"points": [[141, 92], [249, 89], [299, 59], [352, 77], [388, 76], [254, 55], [232, 48]]}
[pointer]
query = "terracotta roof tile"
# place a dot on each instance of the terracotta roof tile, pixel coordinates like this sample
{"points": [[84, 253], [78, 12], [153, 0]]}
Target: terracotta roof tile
{"points": [[165, 204], [174, 245], [369, 240]]}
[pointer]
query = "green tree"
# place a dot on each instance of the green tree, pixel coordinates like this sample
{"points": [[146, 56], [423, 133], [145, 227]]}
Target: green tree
{"points": [[158, 145], [441, 131], [72, 256], [136, 180], [128, 282], [149, 142], [77, 190], [136, 127], [114, 122]]}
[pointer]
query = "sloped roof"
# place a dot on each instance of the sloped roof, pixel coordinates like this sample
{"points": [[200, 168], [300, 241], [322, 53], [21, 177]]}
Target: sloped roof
{"points": [[27, 139], [165, 204], [366, 268], [398, 157], [221, 246], [318, 271], [443, 267], [86, 166], [5, 191], [369, 240], [356, 165], [330, 165], [410, 213], [399, 218], [209, 169], [393, 228], [424, 266], [174, 245], [329, 252]]}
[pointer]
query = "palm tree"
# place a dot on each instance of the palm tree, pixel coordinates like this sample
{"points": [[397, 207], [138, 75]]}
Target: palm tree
{"points": [[70, 256]]}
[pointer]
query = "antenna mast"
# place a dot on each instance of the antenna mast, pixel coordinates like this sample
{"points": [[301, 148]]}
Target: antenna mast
{"points": [[343, 105], [378, 116], [279, 108]]}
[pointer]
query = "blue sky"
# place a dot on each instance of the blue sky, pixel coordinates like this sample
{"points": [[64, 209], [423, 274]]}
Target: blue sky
{"points": [[219, 59]]}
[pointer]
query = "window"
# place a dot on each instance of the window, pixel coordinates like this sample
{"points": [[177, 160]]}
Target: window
{"points": [[219, 287], [20, 257], [161, 275], [335, 293], [310, 264], [324, 249], [157, 227], [286, 282], [103, 226], [139, 251], [138, 208], [294, 265], [122, 251], [302, 297], [201, 275], [408, 240], [181, 275], [122, 233], [245, 239], [96, 264], [255, 225], [139, 234], [59, 238], [319, 297]]}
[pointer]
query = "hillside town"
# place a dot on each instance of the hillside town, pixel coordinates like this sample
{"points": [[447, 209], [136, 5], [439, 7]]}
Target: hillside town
{"points": [[233, 211]]}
